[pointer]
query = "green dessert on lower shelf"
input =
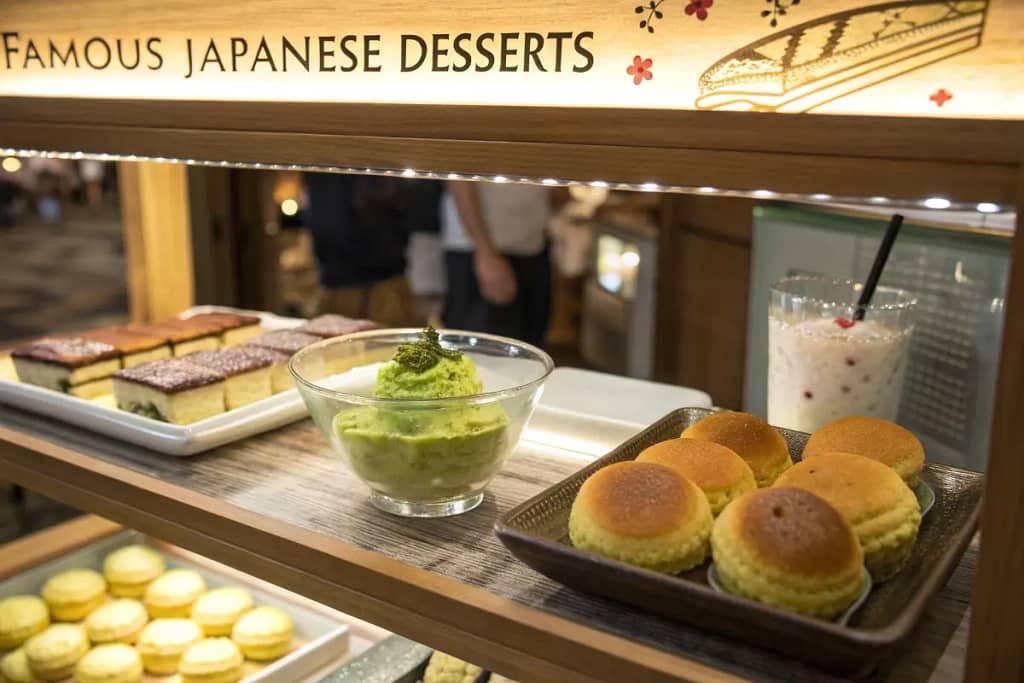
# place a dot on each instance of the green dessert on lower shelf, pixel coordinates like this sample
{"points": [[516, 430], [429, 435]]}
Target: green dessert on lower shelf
{"points": [[420, 450]]}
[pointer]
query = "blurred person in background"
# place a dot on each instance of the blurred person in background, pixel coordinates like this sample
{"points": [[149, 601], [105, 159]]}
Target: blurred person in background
{"points": [[360, 227], [91, 172], [497, 258]]}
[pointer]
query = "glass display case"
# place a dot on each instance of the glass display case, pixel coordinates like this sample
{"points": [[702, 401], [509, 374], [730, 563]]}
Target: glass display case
{"points": [[908, 105]]}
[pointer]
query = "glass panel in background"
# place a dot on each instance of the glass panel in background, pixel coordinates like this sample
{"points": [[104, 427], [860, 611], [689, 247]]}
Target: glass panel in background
{"points": [[959, 278]]}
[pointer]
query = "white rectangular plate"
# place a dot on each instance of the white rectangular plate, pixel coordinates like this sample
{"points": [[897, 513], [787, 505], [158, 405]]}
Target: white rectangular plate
{"points": [[322, 634], [172, 439]]}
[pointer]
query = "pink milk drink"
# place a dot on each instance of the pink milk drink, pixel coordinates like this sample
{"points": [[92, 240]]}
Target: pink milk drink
{"points": [[822, 364]]}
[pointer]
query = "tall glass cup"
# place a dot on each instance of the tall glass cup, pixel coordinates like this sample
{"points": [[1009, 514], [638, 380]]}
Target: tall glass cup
{"points": [[821, 364]]}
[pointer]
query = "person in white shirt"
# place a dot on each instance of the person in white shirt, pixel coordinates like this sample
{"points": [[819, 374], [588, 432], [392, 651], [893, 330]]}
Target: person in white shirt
{"points": [[497, 259]]}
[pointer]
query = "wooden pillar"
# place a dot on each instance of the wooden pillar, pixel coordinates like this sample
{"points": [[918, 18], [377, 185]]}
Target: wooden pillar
{"points": [[157, 238], [996, 647]]}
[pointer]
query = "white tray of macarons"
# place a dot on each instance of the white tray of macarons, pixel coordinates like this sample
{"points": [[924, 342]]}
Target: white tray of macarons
{"points": [[211, 376], [129, 607]]}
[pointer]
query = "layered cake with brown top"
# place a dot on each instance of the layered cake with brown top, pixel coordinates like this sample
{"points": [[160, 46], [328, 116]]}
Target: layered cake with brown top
{"points": [[174, 390], [247, 373], [135, 345], [63, 364], [188, 335], [331, 325], [235, 328], [283, 343]]}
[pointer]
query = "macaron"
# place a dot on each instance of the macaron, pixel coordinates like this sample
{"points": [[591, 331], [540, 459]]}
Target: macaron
{"points": [[263, 634], [722, 475], [52, 654], [873, 498], [119, 621], [218, 610], [787, 547], [164, 641], [110, 663], [73, 594], [872, 437], [130, 569], [753, 439], [174, 593], [14, 668], [21, 617], [213, 660], [644, 514]]}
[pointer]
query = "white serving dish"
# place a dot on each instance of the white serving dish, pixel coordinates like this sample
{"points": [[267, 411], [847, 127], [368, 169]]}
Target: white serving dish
{"points": [[172, 439], [321, 636]]}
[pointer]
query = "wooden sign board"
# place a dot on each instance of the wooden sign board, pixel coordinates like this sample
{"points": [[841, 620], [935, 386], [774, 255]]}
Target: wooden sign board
{"points": [[948, 58]]}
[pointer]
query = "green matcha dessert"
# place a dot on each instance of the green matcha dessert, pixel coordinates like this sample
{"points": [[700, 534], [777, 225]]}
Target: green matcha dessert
{"points": [[425, 451]]}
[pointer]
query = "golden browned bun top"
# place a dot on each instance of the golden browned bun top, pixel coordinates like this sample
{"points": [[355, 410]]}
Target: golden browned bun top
{"points": [[855, 485], [749, 436], [796, 531], [638, 498], [879, 439], [709, 465]]}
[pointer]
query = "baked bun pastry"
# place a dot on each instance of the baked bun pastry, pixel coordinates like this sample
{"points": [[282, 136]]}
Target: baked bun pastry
{"points": [[720, 473], [130, 569], [110, 663], [21, 617], [753, 439], [872, 437], [74, 593], [786, 547], [643, 514], [882, 509]]}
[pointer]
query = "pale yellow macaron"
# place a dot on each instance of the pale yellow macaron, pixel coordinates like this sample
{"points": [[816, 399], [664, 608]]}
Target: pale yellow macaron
{"points": [[14, 668], [263, 634], [73, 594], [119, 621], [720, 473], [213, 660], [753, 439], [129, 570], [174, 593], [164, 641], [110, 663], [218, 610], [644, 514], [21, 617], [52, 654]]}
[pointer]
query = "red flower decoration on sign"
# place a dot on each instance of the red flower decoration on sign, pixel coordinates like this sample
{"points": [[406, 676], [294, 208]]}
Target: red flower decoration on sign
{"points": [[640, 70], [700, 8], [940, 97]]}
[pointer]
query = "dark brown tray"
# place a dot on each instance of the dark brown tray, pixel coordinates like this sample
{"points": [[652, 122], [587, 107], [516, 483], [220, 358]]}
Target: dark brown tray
{"points": [[536, 532]]}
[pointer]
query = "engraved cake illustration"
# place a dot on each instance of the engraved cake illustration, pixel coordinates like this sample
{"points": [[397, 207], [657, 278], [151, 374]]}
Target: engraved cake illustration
{"points": [[808, 65]]}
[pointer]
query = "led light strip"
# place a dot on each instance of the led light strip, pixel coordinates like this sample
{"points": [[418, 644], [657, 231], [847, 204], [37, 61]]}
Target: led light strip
{"points": [[935, 203]]}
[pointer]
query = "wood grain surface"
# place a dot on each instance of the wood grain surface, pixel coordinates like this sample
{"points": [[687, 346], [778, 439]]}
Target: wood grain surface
{"points": [[282, 507]]}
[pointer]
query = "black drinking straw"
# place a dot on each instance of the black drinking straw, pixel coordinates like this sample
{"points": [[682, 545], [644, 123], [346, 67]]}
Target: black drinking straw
{"points": [[876, 268]]}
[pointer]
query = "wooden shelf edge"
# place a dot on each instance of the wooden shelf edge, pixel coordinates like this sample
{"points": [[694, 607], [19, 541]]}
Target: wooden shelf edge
{"points": [[530, 645], [48, 544]]}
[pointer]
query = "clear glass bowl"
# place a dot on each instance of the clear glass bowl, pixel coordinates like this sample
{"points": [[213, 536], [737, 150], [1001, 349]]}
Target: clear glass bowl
{"points": [[421, 457]]}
